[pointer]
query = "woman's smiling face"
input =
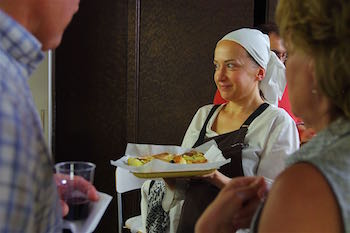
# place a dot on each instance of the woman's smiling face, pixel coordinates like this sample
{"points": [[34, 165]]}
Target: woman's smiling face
{"points": [[235, 72]]}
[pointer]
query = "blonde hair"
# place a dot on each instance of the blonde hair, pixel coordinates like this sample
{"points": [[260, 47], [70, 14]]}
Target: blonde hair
{"points": [[321, 29]]}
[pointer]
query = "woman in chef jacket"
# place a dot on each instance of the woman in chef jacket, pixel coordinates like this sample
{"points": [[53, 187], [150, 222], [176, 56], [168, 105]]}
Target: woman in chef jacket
{"points": [[255, 135]]}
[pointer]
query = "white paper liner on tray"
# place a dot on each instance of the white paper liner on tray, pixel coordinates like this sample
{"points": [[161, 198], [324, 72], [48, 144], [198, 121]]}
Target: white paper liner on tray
{"points": [[211, 152]]}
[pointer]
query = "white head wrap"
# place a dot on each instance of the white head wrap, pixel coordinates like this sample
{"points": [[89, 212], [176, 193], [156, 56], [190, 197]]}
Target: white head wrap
{"points": [[257, 45]]}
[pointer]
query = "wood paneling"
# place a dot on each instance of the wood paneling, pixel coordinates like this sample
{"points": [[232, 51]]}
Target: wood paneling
{"points": [[260, 11], [271, 9]]}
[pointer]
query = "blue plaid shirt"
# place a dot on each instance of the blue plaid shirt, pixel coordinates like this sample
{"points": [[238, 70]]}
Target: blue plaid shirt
{"points": [[28, 194]]}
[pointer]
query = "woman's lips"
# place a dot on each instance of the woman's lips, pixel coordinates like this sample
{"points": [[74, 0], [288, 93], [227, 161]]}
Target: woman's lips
{"points": [[224, 87]]}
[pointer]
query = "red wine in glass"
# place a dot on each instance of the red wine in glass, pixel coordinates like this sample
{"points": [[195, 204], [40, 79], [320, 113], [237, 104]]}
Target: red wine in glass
{"points": [[78, 208]]}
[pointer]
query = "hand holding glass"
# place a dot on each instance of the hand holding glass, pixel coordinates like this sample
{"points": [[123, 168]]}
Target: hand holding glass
{"points": [[74, 181]]}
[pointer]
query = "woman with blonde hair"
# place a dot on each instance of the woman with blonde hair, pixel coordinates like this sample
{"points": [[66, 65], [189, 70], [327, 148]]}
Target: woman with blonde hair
{"points": [[313, 193]]}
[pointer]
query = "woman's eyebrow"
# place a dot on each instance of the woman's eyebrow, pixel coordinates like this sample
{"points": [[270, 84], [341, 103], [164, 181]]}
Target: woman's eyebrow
{"points": [[229, 60]]}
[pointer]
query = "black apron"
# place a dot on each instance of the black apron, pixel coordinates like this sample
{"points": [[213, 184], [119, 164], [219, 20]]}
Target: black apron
{"points": [[201, 193]]}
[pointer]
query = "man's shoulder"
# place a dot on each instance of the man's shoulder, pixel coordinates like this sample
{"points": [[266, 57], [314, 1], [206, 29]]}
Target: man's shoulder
{"points": [[3, 57], [5, 63]]}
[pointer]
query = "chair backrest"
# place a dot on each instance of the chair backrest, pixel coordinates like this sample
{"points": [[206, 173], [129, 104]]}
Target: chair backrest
{"points": [[124, 182]]}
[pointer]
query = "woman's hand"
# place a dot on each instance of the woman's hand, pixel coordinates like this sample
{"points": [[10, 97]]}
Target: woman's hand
{"points": [[305, 134], [170, 182], [215, 178], [233, 207]]}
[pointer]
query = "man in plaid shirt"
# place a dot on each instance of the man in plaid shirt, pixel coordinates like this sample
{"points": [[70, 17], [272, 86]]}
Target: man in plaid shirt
{"points": [[29, 201]]}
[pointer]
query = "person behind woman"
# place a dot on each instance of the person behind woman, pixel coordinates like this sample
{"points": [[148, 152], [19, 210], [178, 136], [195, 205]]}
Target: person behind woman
{"points": [[313, 193], [255, 135]]}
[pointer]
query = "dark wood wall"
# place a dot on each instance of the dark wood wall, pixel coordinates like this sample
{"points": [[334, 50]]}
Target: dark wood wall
{"points": [[136, 71], [271, 8], [175, 72]]}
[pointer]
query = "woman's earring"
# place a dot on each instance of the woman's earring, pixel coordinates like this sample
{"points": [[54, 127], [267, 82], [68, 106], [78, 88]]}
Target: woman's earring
{"points": [[314, 91]]}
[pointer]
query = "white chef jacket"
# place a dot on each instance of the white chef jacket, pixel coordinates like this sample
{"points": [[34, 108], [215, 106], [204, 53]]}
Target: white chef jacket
{"points": [[271, 138]]}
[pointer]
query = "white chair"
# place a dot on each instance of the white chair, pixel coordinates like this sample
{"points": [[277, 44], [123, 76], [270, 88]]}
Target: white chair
{"points": [[134, 224], [124, 182]]}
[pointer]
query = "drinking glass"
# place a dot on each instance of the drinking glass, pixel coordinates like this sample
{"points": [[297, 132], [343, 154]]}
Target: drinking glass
{"points": [[73, 177]]}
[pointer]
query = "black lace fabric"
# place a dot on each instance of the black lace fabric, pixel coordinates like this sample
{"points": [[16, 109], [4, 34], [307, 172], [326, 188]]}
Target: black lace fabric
{"points": [[157, 220]]}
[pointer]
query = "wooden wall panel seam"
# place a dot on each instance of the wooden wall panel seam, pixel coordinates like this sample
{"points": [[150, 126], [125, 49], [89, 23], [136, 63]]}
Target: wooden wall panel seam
{"points": [[137, 67]]}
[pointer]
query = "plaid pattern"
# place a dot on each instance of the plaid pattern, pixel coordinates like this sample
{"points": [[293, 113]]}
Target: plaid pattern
{"points": [[28, 194]]}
